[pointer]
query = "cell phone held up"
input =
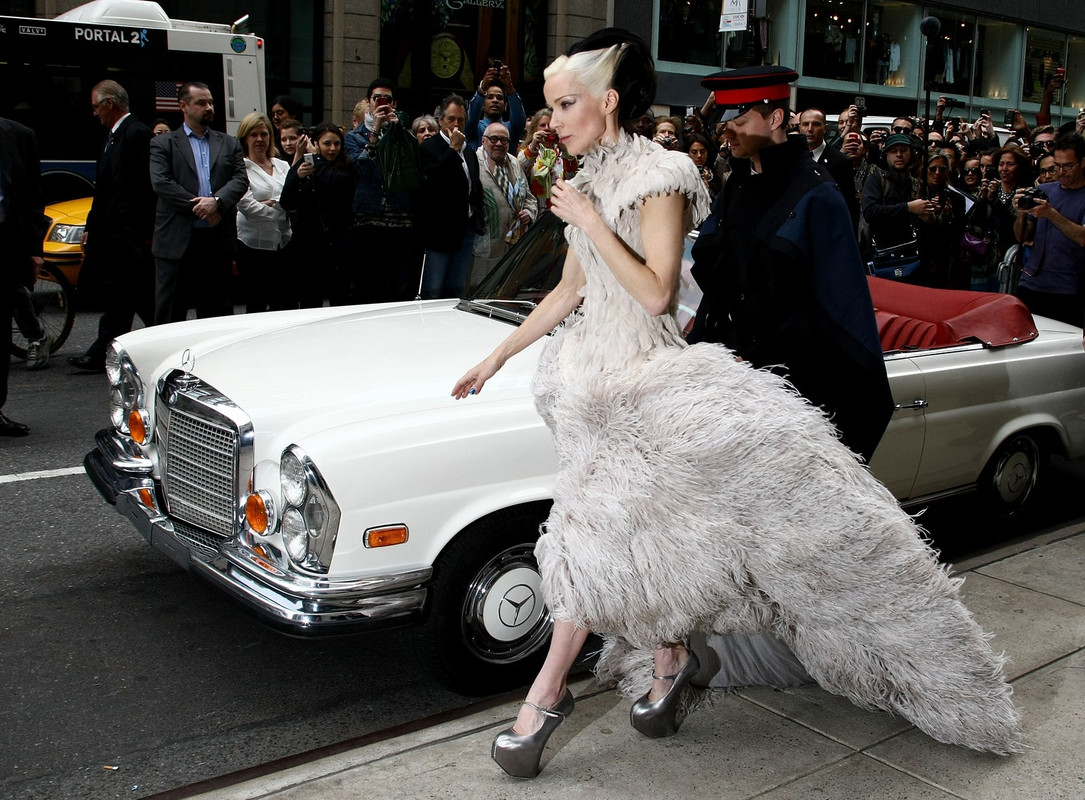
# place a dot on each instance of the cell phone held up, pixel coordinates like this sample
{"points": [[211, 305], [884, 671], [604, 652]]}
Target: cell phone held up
{"points": [[1009, 118], [309, 158]]}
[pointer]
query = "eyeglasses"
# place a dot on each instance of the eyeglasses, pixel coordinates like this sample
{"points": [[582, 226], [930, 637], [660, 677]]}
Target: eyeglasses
{"points": [[972, 170], [97, 105], [937, 169], [1064, 167], [497, 139], [377, 97], [1048, 170], [901, 129]]}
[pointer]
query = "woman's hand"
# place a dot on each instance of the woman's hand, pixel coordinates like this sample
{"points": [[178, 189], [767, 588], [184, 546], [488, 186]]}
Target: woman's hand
{"points": [[476, 377], [306, 169], [301, 149], [573, 207]]}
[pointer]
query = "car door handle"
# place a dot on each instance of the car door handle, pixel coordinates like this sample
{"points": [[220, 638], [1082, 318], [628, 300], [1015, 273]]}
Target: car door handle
{"points": [[913, 404]]}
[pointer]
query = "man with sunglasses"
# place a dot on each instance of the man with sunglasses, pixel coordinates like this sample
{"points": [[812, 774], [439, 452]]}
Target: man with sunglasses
{"points": [[508, 205], [1053, 277]]}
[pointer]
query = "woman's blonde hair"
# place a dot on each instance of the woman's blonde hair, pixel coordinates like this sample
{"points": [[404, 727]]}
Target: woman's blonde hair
{"points": [[251, 122], [594, 68]]}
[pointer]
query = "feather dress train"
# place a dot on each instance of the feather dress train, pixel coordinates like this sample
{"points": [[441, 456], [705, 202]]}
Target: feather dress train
{"points": [[695, 493]]}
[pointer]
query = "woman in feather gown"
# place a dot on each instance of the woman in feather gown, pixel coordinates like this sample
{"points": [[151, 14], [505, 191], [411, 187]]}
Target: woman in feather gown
{"points": [[697, 494]]}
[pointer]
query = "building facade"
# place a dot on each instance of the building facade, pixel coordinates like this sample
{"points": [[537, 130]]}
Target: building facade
{"points": [[993, 54]]}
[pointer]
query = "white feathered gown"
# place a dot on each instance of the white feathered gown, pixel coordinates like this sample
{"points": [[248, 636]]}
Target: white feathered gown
{"points": [[695, 493]]}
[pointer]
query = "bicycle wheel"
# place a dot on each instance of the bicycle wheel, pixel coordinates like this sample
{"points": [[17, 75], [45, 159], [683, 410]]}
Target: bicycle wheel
{"points": [[52, 300]]}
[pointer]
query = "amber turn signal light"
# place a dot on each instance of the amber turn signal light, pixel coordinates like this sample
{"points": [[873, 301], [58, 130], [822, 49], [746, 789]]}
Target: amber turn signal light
{"points": [[146, 496], [137, 425], [383, 537], [256, 513]]}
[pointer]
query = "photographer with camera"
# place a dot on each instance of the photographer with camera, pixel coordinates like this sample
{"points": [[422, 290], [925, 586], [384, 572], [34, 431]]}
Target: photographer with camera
{"points": [[1053, 276], [387, 170], [667, 133], [495, 101]]}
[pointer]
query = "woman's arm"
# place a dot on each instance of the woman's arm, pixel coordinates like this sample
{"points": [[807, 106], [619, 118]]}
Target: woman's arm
{"points": [[651, 280], [546, 316]]}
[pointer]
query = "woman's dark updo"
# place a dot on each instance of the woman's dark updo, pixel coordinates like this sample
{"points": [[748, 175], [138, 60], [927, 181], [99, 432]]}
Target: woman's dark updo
{"points": [[634, 75]]}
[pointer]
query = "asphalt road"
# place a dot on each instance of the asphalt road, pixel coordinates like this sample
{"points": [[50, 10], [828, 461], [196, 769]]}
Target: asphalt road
{"points": [[110, 656]]}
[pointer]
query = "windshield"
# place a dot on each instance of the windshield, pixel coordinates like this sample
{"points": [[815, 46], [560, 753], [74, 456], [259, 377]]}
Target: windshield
{"points": [[532, 269]]}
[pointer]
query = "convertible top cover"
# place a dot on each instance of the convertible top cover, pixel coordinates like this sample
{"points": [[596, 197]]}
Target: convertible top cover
{"points": [[914, 317]]}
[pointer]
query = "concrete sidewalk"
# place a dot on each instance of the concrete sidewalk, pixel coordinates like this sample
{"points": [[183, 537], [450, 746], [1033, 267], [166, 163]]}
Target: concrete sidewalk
{"points": [[762, 743]]}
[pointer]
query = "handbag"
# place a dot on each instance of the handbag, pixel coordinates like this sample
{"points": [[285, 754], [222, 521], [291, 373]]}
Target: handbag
{"points": [[897, 261], [975, 244]]}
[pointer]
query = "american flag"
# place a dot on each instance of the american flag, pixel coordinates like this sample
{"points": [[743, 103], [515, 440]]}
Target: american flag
{"points": [[165, 95]]}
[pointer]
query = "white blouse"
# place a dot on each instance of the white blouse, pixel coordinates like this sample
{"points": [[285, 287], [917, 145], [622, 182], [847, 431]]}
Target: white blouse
{"points": [[260, 226]]}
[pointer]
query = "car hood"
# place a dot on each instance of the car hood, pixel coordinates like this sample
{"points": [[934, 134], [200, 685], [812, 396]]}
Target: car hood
{"points": [[343, 367], [70, 212]]}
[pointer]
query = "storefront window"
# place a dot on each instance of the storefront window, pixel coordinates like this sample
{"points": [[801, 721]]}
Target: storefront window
{"points": [[833, 43], [1045, 52], [998, 48], [949, 59], [1074, 99], [761, 42], [688, 32], [893, 44]]}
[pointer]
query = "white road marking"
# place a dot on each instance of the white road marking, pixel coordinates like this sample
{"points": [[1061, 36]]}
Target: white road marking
{"points": [[44, 473]]}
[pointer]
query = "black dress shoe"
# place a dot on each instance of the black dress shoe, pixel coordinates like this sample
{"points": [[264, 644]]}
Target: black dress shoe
{"points": [[87, 363], [10, 427]]}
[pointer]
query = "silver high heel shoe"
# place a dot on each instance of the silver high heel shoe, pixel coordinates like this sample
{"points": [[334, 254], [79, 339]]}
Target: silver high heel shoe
{"points": [[519, 753], [658, 719]]}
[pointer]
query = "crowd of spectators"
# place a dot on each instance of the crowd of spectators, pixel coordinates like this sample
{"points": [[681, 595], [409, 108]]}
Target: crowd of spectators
{"points": [[395, 207]]}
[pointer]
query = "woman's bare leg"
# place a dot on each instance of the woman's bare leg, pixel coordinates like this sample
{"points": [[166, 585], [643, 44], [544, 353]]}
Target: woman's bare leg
{"points": [[549, 684], [669, 659]]}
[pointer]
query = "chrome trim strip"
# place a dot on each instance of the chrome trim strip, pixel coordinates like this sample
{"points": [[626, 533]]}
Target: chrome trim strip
{"points": [[300, 604], [123, 453]]}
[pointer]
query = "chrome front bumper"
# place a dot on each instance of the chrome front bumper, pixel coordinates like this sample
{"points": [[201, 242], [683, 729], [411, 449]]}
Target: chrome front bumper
{"points": [[300, 605]]}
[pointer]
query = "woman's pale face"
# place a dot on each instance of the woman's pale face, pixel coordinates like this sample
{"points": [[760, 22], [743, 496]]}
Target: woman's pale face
{"points": [[329, 145], [699, 153], [257, 141], [425, 131], [160, 129], [579, 119], [1007, 168]]}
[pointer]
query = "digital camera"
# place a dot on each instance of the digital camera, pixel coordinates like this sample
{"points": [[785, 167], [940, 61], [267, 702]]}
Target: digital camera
{"points": [[1029, 198]]}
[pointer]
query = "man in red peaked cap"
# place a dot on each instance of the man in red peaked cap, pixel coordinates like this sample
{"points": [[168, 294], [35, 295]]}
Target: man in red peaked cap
{"points": [[784, 285]]}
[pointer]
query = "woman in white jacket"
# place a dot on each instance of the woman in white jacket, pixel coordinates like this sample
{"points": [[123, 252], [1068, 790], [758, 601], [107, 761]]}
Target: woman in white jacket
{"points": [[263, 226]]}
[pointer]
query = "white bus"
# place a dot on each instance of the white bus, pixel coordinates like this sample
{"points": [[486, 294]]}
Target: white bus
{"points": [[48, 67]]}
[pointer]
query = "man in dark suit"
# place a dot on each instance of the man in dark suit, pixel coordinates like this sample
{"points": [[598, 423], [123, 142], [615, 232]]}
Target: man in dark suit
{"points": [[839, 166], [120, 223], [22, 228], [784, 285], [449, 204], [199, 177]]}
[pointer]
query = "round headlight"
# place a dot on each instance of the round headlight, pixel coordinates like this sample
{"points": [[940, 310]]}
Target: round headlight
{"points": [[113, 362], [293, 479], [295, 535]]}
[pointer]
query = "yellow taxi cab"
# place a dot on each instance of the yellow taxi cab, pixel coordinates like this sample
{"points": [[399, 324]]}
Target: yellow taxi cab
{"points": [[63, 244]]}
